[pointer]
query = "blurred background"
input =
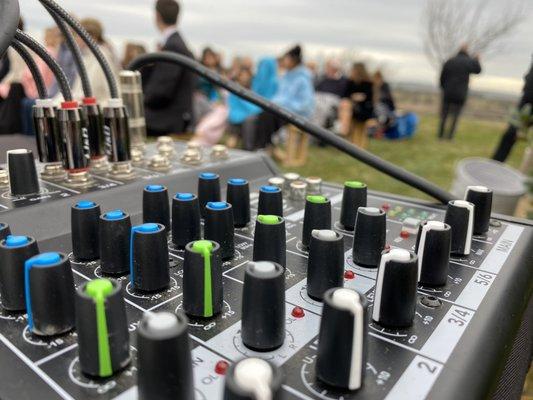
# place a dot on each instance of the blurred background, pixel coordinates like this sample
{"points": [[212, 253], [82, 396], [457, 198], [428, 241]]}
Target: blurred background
{"points": [[403, 48]]}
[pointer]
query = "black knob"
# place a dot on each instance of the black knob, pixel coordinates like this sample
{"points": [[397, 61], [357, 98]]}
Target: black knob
{"points": [[149, 258], [369, 236], [14, 251], [253, 379], [342, 340], [156, 207], [263, 306], [22, 172], [354, 195], [481, 198], [219, 227], [49, 290], [460, 217], [164, 359], [115, 232], [317, 215], [202, 279], [395, 293], [208, 189], [102, 327], [433, 250], [270, 201], [5, 230], [185, 219], [325, 266], [238, 195], [270, 242], [84, 217]]}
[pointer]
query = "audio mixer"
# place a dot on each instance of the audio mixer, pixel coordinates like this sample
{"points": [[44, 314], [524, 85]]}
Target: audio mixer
{"points": [[286, 288]]}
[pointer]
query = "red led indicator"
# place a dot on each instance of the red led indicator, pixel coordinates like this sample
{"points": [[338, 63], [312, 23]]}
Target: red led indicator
{"points": [[298, 312], [405, 234], [349, 275], [385, 206], [221, 367]]}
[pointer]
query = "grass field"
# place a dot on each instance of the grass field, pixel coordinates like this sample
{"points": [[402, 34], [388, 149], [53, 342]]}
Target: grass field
{"points": [[423, 154]]}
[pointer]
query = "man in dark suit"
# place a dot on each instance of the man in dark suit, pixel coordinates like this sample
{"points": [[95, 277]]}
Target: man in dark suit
{"points": [[168, 88], [454, 80]]}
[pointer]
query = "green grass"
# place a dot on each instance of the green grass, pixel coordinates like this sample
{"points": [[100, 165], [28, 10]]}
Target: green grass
{"points": [[423, 155]]}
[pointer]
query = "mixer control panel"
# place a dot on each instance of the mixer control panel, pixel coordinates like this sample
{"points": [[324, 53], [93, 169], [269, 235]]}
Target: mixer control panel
{"points": [[228, 280]]}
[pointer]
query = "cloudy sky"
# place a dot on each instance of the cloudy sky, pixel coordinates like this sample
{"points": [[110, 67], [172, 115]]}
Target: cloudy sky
{"points": [[386, 33]]}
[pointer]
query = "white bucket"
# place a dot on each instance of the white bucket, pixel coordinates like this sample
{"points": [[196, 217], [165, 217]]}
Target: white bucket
{"points": [[507, 184]]}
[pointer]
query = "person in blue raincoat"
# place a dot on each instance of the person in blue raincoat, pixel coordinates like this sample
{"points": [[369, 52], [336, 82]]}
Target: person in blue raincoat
{"points": [[242, 113]]}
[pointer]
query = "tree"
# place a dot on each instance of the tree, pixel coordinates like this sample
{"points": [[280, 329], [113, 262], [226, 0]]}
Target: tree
{"points": [[481, 24]]}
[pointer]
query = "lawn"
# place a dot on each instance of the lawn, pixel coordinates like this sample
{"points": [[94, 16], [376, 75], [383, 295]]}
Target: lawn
{"points": [[423, 155]]}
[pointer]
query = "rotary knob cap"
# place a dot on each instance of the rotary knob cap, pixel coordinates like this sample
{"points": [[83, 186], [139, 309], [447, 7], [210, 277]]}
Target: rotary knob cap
{"points": [[341, 356], [460, 217], [253, 379], [433, 250], [369, 236], [325, 267], [164, 357], [481, 198], [395, 292], [263, 306]]}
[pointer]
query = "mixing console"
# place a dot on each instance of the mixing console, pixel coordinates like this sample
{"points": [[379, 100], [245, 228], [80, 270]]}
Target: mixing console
{"points": [[262, 290]]}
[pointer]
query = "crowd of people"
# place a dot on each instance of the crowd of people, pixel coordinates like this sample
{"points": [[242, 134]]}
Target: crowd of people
{"points": [[177, 101], [351, 101]]}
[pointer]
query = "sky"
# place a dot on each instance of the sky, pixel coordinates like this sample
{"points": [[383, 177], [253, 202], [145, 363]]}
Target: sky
{"points": [[384, 33]]}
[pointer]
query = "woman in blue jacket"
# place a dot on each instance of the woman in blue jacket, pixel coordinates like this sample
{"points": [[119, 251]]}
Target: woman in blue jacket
{"points": [[295, 93], [242, 114]]}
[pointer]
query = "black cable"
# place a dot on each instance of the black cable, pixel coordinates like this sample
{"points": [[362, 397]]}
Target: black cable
{"points": [[34, 69], [93, 46], [52, 64], [76, 53], [9, 19], [323, 134]]}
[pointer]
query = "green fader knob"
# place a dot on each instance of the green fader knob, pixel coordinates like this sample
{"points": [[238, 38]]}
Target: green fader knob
{"points": [[103, 338]]}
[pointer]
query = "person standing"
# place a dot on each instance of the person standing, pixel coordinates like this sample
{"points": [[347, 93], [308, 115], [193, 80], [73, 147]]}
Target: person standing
{"points": [[168, 88], [525, 107], [454, 80]]}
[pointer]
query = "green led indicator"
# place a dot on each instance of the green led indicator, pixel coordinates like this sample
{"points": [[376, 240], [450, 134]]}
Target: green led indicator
{"points": [[268, 219], [99, 289], [354, 184], [317, 199], [204, 247]]}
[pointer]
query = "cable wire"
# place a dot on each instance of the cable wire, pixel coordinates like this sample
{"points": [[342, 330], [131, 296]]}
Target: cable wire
{"points": [[370, 159], [34, 46], [76, 53], [32, 66], [93, 46]]}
